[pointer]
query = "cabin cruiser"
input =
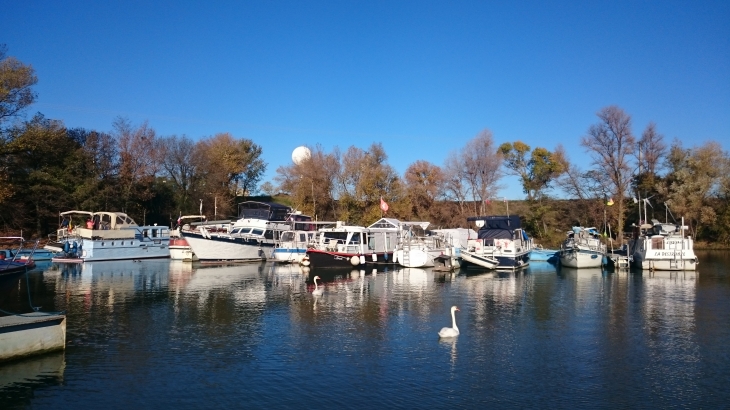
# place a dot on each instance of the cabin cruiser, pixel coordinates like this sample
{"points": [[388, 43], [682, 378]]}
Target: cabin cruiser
{"points": [[501, 243], [347, 246], [292, 244], [97, 236], [250, 238], [582, 248], [421, 248], [662, 246]]}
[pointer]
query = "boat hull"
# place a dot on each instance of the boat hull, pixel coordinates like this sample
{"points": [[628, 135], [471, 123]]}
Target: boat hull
{"points": [[106, 250], [329, 259], [581, 259], [289, 255], [669, 264], [221, 248]]}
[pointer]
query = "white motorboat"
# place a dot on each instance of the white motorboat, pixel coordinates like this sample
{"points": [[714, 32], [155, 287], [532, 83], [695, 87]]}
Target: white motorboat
{"points": [[582, 248], [419, 248], [662, 246], [97, 236], [291, 247], [251, 238]]}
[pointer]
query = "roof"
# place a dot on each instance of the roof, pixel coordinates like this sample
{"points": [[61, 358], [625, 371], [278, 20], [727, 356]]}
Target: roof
{"points": [[508, 222]]}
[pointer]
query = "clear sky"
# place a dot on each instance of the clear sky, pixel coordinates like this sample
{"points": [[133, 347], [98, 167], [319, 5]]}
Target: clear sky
{"points": [[421, 77]]}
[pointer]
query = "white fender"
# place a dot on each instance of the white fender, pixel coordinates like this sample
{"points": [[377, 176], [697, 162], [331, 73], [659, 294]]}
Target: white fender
{"points": [[355, 260]]}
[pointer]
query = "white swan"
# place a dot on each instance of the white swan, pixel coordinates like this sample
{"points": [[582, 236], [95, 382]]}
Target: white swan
{"points": [[451, 331], [317, 290]]}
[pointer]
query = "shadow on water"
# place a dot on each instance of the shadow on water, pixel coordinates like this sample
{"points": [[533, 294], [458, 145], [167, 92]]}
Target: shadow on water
{"points": [[19, 380]]}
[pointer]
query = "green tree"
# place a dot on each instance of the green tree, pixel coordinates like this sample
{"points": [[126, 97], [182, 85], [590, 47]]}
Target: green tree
{"points": [[536, 172]]}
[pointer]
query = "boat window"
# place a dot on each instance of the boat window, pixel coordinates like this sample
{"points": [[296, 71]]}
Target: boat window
{"points": [[342, 236], [302, 237], [287, 236], [154, 233], [257, 231], [120, 220], [657, 243], [245, 230], [145, 233], [235, 231]]}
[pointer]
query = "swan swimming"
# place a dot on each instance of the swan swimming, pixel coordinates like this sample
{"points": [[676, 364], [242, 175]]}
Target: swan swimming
{"points": [[450, 331], [317, 290]]}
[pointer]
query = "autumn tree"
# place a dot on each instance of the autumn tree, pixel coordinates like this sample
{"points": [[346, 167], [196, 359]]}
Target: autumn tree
{"points": [[365, 178], [312, 183], [695, 176], [230, 167], [610, 143], [424, 184], [16, 82]]}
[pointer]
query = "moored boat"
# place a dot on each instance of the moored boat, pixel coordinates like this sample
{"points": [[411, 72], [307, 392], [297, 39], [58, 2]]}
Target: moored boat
{"points": [[346, 245], [251, 237], [179, 246], [582, 248], [96, 236], [662, 246], [501, 243]]}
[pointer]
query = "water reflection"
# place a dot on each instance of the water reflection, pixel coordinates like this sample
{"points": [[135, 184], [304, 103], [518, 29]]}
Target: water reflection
{"points": [[19, 380], [552, 338]]}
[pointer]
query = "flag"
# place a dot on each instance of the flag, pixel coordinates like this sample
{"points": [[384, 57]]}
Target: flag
{"points": [[179, 219], [610, 202], [487, 201], [383, 205]]}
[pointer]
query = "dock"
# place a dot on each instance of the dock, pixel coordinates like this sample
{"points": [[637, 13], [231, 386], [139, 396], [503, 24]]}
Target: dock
{"points": [[30, 334]]}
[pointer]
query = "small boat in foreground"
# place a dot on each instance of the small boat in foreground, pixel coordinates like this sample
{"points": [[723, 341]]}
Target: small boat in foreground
{"points": [[15, 260]]}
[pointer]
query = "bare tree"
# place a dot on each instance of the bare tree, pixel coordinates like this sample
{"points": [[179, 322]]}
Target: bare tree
{"points": [[652, 149], [610, 143], [454, 187], [179, 158], [482, 164]]}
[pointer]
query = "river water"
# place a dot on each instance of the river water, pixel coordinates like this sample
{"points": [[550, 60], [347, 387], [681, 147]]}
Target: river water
{"points": [[158, 334]]}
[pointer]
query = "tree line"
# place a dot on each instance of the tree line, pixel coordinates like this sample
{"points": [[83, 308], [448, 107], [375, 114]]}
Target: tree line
{"points": [[48, 168]]}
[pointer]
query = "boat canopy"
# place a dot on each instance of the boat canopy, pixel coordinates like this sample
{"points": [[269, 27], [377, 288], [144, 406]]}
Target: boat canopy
{"points": [[497, 226], [269, 211]]}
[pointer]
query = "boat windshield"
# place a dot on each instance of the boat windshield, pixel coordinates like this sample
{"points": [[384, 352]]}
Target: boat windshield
{"points": [[287, 236]]}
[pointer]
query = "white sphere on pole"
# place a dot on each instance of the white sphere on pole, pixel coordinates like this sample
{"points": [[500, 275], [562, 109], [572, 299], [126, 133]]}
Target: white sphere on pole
{"points": [[300, 154]]}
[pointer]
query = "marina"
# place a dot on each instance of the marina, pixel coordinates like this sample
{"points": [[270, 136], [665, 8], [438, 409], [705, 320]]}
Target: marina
{"points": [[164, 332]]}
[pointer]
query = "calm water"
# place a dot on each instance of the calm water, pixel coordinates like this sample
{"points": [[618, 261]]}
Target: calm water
{"points": [[160, 334]]}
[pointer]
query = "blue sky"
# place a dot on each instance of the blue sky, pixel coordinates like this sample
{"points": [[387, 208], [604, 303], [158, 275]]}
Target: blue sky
{"points": [[421, 77]]}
